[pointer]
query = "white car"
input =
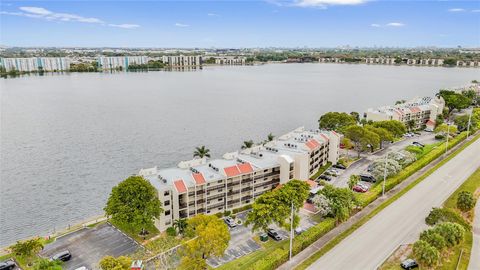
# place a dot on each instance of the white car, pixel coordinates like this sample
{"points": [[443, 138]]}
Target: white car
{"points": [[81, 268]]}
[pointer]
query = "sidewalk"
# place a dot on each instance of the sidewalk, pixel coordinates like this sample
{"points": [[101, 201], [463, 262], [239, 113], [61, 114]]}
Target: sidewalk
{"points": [[317, 245], [474, 263]]}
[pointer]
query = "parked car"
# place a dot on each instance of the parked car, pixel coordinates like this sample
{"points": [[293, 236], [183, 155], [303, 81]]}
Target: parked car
{"points": [[368, 178], [332, 172], [274, 234], [7, 265], [339, 166], [418, 144], [359, 188], [364, 186], [409, 264], [230, 222], [299, 230], [409, 135], [62, 256], [82, 268], [325, 177]]}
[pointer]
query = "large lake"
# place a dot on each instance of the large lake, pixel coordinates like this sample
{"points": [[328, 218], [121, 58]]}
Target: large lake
{"points": [[66, 140]]}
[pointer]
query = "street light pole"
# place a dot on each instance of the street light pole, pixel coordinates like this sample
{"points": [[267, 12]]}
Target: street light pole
{"points": [[469, 122], [291, 232], [446, 142], [384, 174]]}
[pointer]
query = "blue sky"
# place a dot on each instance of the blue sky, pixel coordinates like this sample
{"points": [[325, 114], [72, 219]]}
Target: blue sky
{"points": [[281, 23]]}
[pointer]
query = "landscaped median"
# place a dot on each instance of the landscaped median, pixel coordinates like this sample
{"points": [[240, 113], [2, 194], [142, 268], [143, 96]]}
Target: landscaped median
{"points": [[393, 182]]}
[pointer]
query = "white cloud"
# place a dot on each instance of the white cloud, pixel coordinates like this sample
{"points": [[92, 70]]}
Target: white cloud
{"points": [[325, 3], [476, 10], [375, 25], [395, 24], [456, 10], [125, 25], [212, 14], [42, 13], [181, 25]]}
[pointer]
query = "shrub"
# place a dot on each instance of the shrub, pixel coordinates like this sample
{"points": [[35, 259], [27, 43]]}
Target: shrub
{"points": [[434, 239], [465, 201], [219, 214], [322, 204], [414, 149], [439, 215], [241, 209], [451, 232], [171, 231], [227, 213], [425, 253], [46, 264], [111, 263], [439, 137], [27, 247]]}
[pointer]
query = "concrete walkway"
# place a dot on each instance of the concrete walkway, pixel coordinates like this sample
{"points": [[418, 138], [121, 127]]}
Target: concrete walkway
{"points": [[317, 245], [474, 263]]}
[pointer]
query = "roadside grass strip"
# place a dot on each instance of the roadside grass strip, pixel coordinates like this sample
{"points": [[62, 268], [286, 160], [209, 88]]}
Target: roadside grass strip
{"points": [[389, 201]]}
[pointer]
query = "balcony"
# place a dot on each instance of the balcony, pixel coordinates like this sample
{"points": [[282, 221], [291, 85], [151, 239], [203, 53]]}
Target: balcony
{"points": [[182, 205]]}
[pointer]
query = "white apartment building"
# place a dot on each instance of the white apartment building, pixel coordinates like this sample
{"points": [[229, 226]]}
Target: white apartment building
{"points": [[182, 60], [35, 64], [230, 60], [423, 111], [120, 62], [202, 186], [380, 60]]}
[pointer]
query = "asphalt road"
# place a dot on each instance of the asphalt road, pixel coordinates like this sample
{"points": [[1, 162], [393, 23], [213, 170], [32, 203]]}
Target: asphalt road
{"points": [[474, 263], [403, 220]]}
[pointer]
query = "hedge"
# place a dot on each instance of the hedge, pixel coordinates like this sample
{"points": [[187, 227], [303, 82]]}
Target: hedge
{"points": [[439, 215], [366, 198], [241, 209], [280, 255]]}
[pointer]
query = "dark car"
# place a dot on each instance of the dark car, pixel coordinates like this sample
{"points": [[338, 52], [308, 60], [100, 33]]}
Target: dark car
{"points": [[368, 178], [7, 265], [418, 144], [230, 222], [62, 256], [409, 264], [274, 234], [339, 166], [325, 177]]}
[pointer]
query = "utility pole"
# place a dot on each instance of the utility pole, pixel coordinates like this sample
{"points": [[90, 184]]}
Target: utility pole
{"points": [[384, 174], [446, 142], [291, 232], [469, 122]]}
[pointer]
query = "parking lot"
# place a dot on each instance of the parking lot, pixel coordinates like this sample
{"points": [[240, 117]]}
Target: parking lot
{"points": [[89, 245]]}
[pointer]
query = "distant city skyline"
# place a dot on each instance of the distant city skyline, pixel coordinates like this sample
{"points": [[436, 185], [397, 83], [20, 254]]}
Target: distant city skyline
{"points": [[271, 23]]}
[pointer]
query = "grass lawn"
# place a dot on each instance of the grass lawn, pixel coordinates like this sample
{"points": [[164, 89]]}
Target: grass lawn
{"points": [[422, 151], [133, 232]]}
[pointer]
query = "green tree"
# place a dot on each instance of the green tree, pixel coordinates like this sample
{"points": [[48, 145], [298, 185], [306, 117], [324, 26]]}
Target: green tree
{"points": [[462, 122], [342, 201], [180, 225], [112, 263], [452, 232], [46, 264], [294, 192], [27, 247], [450, 62], [134, 202], [270, 137], [347, 144], [210, 238], [353, 181], [465, 201], [434, 239], [201, 152], [336, 121], [382, 133], [443, 128], [425, 253], [247, 144], [356, 116], [410, 124], [454, 100], [395, 127], [362, 138]]}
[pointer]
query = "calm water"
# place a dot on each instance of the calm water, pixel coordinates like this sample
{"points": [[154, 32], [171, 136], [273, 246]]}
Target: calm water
{"points": [[67, 139]]}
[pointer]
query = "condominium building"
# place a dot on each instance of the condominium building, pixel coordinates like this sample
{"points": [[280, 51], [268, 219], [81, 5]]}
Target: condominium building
{"points": [[423, 112], [120, 62], [182, 60], [35, 64], [230, 60], [202, 186], [381, 60]]}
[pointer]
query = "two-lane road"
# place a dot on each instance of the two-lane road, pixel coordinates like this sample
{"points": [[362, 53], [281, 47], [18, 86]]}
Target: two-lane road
{"points": [[403, 220]]}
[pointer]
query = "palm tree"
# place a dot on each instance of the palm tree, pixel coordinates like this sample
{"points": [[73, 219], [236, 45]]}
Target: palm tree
{"points": [[201, 152], [180, 225], [270, 137], [410, 124], [247, 144]]}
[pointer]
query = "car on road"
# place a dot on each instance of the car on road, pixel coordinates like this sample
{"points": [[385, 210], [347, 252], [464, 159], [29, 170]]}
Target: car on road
{"points": [[7, 265], [359, 188], [367, 178], [418, 144], [339, 166], [62, 256], [325, 177], [409, 264], [274, 234], [230, 222]]}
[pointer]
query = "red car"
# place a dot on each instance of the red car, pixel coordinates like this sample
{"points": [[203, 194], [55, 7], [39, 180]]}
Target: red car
{"points": [[359, 188]]}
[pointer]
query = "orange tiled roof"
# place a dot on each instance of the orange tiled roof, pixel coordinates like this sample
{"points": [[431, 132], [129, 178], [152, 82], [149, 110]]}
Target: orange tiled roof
{"points": [[231, 171], [310, 145], [199, 179], [180, 186], [245, 167]]}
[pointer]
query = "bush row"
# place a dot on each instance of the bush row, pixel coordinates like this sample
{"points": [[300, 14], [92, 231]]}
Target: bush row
{"points": [[439, 215], [280, 255], [366, 198]]}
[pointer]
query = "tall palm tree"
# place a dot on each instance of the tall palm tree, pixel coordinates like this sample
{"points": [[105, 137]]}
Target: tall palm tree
{"points": [[410, 124], [247, 144], [201, 152], [270, 137], [180, 225]]}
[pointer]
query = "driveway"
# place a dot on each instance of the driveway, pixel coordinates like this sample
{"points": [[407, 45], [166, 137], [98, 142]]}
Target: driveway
{"points": [[361, 165], [89, 245]]}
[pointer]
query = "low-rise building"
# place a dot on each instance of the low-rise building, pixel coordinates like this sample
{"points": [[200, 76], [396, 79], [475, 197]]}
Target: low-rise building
{"points": [[182, 60], [202, 186], [418, 110], [230, 60], [120, 62]]}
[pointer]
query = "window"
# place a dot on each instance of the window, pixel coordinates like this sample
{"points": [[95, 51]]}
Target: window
{"points": [[219, 182], [167, 213], [220, 208], [166, 203], [166, 193], [220, 199]]}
